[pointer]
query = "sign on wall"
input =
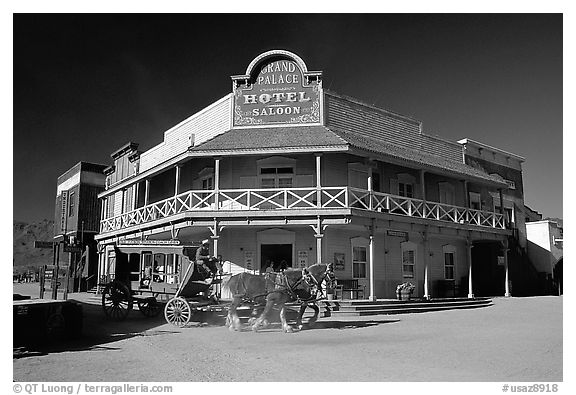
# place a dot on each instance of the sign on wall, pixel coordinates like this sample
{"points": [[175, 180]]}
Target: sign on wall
{"points": [[339, 261], [63, 211], [302, 259], [278, 92], [249, 260]]}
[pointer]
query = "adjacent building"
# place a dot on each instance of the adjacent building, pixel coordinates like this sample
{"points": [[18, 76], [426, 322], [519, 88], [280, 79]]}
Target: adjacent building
{"points": [[77, 221], [281, 169], [545, 249]]}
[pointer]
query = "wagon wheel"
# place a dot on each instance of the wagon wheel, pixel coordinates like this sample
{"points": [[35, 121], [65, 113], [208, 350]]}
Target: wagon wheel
{"points": [[178, 312], [116, 301], [150, 308]]}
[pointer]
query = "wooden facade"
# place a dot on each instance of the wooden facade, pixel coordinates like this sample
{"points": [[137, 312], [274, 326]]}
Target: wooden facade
{"points": [[318, 178]]}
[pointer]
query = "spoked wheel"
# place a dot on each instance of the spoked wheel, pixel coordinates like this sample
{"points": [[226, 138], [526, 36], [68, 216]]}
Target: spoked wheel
{"points": [[178, 312], [150, 307], [116, 301]]}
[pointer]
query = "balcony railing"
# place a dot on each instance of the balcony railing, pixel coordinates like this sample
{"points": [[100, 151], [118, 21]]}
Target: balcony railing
{"points": [[301, 199]]}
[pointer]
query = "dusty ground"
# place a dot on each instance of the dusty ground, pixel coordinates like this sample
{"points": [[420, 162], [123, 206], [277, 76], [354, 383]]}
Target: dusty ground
{"points": [[516, 339]]}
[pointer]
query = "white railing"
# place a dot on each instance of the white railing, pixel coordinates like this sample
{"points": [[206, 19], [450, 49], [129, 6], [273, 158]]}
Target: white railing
{"points": [[300, 199]]}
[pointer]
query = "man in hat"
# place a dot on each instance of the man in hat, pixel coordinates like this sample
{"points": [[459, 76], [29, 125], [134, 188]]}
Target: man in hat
{"points": [[203, 255]]}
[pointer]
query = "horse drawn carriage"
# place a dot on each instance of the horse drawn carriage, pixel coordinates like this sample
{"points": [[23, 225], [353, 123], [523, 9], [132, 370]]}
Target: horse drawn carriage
{"points": [[168, 278], [161, 278]]}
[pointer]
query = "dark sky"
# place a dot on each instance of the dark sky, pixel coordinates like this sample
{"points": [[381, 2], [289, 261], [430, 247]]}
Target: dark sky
{"points": [[86, 84]]}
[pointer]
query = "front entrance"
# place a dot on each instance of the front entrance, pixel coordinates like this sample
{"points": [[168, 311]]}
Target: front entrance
{"points": [[276, 256]]}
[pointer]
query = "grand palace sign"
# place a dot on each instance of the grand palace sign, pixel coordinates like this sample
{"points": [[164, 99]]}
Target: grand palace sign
{"points": [[277, 90]]}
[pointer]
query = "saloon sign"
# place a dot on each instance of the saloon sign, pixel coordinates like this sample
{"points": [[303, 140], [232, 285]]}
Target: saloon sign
{"points": [[277, 92]]}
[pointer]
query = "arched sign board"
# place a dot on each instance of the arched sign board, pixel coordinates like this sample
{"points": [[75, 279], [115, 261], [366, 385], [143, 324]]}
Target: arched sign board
{"points": [[277, 89]]}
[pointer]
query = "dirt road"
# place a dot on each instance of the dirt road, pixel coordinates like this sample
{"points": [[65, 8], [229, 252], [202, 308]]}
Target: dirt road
{"points": [[516, 339]]}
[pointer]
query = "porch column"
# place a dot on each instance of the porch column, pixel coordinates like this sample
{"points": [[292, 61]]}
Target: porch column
{"points": [[423, 187], [469, 254], [147, 192], [215, 244], [103, 210], [371, 262], [426, 265], [319, 237], [123, 195], [318, 181], [506, 279], [370, 188], [177, 182], [216, 183]]}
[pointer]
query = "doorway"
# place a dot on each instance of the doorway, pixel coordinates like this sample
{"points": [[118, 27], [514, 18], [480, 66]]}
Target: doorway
{"points": [[276, 256]]}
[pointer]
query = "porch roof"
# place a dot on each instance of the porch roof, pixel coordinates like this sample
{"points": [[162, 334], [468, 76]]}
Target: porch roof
{"points": [[318, 138], [260, 138]]}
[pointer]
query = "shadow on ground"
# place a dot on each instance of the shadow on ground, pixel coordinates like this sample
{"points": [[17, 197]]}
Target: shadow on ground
{"points": [[98, 331]]}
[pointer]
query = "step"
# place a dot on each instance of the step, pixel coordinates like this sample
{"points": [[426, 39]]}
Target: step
{"points": [[404, 310], [381, 306], [356, 308]]}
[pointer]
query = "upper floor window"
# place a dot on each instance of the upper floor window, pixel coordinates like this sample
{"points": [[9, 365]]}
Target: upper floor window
{"points": [[406, 190], [276, 177], [475, 202], [71, 204], [404, 185], [446, 193]]}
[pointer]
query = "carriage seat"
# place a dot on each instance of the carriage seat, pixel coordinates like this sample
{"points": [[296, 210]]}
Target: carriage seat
{"points": [[349, 285]]}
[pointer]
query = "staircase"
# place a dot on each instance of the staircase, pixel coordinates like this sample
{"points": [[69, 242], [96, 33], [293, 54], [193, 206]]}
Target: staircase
{"points": [[351, 308]]}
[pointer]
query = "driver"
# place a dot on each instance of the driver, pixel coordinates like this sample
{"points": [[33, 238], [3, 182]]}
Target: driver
{"points": [[202, 256]]}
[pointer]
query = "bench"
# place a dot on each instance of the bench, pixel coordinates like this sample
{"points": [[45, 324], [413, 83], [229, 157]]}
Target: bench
{"points": [[349, 285]]}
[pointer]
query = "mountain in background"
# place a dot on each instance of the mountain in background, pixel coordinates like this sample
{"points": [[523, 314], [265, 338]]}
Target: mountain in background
{"points": [[26, 257]]}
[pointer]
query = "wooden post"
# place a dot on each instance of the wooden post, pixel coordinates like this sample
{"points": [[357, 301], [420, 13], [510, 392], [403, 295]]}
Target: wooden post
{"points": [[506, 278], [372, 296], [177, 183], [216, 183], [426, 265], [147, 192], [318, 182], [469, 254], [423, 187]]}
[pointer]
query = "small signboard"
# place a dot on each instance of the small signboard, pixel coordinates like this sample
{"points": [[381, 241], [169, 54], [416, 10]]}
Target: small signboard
{"points": [[397, 233], [302, 259], [43, 244], [70, 248], [171, 242], [339, 258], [249, 260], [63, 211]]}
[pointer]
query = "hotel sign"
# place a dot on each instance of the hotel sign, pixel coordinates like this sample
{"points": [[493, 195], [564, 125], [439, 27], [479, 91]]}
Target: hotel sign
{"points": [[277, 92]]}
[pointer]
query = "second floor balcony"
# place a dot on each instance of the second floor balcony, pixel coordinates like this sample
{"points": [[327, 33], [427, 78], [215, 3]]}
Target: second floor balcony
{"points": [[283, 200]]}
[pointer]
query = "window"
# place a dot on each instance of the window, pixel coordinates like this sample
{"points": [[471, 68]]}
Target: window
{"points": [[71, 204], [276, 177], [359, 260], [446, 192], [406, 190], [208, 183], [449, 261], [474, 200], [449, 265], [408, 264], [408, 259], [406, 184]]}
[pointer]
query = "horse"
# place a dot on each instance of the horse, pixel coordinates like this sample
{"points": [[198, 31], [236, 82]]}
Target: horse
{"points": [[276, 289]]}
